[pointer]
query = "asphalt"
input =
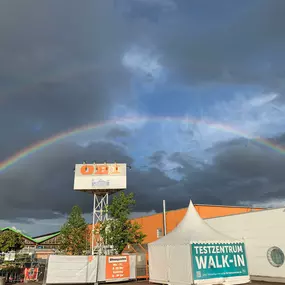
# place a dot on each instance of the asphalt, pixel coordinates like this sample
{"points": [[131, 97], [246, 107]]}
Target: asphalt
{"points": [[148, 283]]}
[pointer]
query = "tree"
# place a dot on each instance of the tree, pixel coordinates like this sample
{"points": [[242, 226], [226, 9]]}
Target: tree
{"points": [[119, 230], [10, 240], [74, 233]]}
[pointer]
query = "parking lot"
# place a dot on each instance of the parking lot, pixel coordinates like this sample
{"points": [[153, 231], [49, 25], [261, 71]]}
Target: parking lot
{"points": [[147, 283], [253, 283]]}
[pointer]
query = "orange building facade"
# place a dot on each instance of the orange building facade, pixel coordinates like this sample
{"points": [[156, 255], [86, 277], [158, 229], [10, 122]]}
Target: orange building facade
{"points": [[152, 226]]}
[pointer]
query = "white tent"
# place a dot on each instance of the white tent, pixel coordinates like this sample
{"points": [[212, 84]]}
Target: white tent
{"points": [[195, 253]]}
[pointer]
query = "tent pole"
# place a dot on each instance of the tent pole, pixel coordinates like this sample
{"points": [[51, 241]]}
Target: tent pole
{"points": [[164, 217]]}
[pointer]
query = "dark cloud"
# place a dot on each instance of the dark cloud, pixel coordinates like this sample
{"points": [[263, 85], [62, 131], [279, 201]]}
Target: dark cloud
{"points": [[157, 157], [226, 145], [244, 45], [57, 70], [44, 189], [149, 187], [61, 68], [237, 173], [46, 184], [117, 133], [278, 140]]}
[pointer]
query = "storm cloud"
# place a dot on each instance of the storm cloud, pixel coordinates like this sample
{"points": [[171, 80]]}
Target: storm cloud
{"points": [[58, 71], [237, 173], [65, 64], [53, 62], [44, 188]]}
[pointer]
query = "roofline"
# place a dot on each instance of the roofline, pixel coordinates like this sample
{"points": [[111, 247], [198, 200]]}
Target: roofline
{"points": [[46, 234], [251, 212], [18, 232], [51, 235], [231, 206], [207, 205], [43, 239]]}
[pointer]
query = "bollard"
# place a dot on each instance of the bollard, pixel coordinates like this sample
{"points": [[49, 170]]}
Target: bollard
{"points": [[2, 280]]}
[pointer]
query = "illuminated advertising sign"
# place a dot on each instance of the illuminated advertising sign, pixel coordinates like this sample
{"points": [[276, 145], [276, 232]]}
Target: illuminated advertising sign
{"points": [[100, 176]]}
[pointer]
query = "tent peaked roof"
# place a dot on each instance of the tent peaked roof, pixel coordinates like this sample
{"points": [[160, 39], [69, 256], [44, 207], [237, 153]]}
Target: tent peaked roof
{"points": [[192, 229]]}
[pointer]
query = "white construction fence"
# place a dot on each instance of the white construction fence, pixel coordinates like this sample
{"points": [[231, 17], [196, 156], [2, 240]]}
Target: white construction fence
{"points": [[64, 269]]}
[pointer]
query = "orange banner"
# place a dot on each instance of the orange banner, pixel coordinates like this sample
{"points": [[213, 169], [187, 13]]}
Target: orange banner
{"points": [[117, 267]]}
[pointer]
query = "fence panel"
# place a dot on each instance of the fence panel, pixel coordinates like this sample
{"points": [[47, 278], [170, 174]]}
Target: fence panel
{"points": [[142, 266], [13, 275], [72, 269]]}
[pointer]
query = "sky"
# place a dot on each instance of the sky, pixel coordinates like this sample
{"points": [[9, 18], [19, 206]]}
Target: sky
{"points": [[188, 93]]}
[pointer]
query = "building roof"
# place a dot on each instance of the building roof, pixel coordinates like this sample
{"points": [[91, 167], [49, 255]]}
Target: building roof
{"points": [[262, 210], [204, 205], [192, 229], [42, 238], [37, 239], [18, 232]]}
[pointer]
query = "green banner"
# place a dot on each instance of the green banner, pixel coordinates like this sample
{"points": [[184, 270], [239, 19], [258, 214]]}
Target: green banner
{"points": [[218, 260]]}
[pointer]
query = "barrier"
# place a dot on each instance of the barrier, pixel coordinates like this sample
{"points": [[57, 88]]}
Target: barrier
{"points": [[63, 269], [71, 269], [141, 253], [117, 268], [142, 266], [12, 275]]}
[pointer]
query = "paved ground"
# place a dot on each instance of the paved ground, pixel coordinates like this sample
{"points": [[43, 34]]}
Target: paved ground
{"points": [[147, 283], [264, 283]]}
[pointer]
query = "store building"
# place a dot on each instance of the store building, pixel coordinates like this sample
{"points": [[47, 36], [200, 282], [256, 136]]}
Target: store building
{"points": [[152, 225], [46, 245], [264, 235], [29, 243], [47, 241], [41, 246]]}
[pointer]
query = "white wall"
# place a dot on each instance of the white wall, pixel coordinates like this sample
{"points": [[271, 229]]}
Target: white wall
{"points": [[158, 262], [179, 262], [261, 230], [170, 264]]}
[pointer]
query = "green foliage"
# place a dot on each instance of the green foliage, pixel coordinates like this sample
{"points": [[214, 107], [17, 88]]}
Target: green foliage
{"points": [[119, 230], [74, 234], [10, 240]]}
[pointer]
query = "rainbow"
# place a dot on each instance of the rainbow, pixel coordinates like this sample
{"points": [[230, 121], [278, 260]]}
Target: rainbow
{"points": [[47, 142]]}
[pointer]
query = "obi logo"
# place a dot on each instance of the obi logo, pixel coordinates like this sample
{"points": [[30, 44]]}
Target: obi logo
{"points": [[100, 169], [100, 183]]}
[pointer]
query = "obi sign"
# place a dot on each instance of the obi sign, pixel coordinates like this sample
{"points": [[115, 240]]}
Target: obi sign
{"points": [[100, 176], [218, 260]]}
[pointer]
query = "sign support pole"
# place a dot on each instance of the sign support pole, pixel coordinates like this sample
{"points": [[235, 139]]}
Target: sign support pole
{"points": [[164, 218], [100, 180], [100, 203], [93, 224]]}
